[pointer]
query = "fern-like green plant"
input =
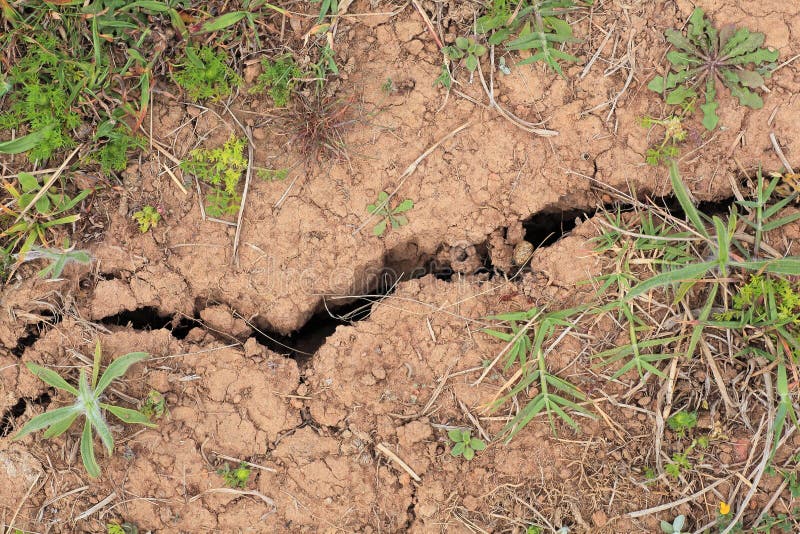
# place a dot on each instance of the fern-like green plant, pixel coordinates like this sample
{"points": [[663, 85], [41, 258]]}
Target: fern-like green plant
{"points": [[705, 56], [536, 26], [87, 403], [206, 74], [222, 169], [279, 77]]}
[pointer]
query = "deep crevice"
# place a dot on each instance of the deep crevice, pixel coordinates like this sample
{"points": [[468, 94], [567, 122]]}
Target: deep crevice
{"points": [[550, 225], [11, 414], [34, 332], [149, 318]]}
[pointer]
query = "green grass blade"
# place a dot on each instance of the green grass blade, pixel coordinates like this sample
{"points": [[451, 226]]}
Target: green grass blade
{"points": [[51, 378], [690, 272], [682, 194], [117, 368], [24, 143], [127, 415], [53, 417], [87, 451]]}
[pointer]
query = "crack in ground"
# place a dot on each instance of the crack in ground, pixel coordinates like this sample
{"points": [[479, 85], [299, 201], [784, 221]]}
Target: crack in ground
{"points": [[542, 229], [18, 409]]}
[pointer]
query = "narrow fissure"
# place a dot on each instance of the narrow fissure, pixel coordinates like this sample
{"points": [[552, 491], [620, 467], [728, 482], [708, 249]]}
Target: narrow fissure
{"points": [[149, 318], [11, 414], [549, 226]]}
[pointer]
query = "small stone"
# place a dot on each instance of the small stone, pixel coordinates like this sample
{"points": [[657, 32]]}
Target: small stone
{"points": [[379, 373]]}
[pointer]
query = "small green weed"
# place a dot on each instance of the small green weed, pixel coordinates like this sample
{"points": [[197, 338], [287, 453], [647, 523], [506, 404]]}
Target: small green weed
{"points": [[87, 403], [463, 444], [32, 223], [154, 405], [706, 55], [279, 77], [676, 527], [770, 524], [117, 143], [206, 74], [388, 87], [674, 135], [236, 477], [221, 168], [466, 47], [444, 79], [121, 528], [58, 258], [148, 217], [272, 175], [391, 216], [682, 421], [326, 8], [538, 26]]}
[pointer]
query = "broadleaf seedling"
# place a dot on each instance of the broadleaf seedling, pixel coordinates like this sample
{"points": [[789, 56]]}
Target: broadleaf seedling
{"points": [[148, 217], [464, 444], [466, 48], [391, 216], [222, 169], [87, 404], [236, 477]]}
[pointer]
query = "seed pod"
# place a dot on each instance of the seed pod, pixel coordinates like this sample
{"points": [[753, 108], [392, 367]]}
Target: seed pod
{"points": [[522, 253]]}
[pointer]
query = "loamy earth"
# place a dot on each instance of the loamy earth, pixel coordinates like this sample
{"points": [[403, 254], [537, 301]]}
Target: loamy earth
{"points": [[328, 431]]}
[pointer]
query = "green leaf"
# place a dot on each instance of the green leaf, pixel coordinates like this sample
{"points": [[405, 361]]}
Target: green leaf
{"points": [[750, 78], [685, 201], [789, 265], [680, 95], [53, 417], [379, 228], [87, 451], [477, 444], [458, 449], [471, 63], [656, 84], [710, 117], [118, 368], [24, 143], [59, 428], [469, 454], [405, 205], [51, 378], [28, 182], [462, 43], [127, 415], [690, 272], [454, 434], [223, 21]]}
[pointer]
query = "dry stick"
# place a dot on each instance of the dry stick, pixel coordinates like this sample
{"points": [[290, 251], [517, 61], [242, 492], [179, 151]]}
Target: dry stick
{"points": [[97, 506], [780, 153], [392, 456], [173, 159], [410, 170], [232, 459], [428, 23], [232, 491], [730, 406], [47, 185], [596, 55], [247, 176], [764, 458], [688, 498], [19, 507], [523, 331], [519, 123]]}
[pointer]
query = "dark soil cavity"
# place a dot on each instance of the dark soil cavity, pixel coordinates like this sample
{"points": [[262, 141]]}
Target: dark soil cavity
{"points": [[304, 343], [34, 332], [10, 415], [547, 227], [148, 318]]}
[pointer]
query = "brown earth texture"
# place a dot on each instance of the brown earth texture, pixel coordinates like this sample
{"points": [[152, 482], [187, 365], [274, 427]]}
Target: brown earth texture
{"points": [[334, 361]]}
